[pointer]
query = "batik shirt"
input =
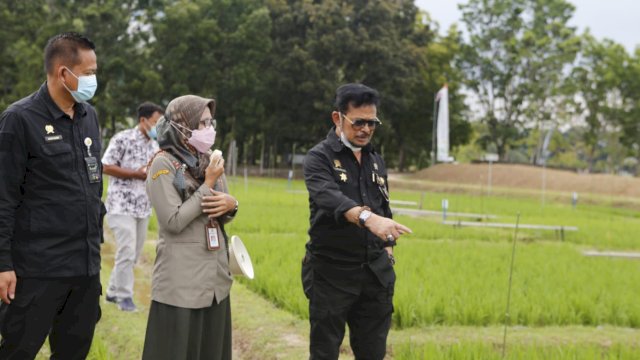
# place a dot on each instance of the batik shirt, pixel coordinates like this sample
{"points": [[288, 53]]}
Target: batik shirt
{"points": [[129, 149]]}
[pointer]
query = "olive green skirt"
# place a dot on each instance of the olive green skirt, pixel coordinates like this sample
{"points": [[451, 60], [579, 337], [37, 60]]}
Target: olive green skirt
{"points": [[176, 333]]}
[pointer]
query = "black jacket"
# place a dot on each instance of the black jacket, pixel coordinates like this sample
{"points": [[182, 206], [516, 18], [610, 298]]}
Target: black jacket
{"points": [[50, 213], [337, 182]]}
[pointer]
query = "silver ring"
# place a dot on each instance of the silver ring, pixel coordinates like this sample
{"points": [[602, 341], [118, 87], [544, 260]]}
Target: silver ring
{"points": [[390, 237]]}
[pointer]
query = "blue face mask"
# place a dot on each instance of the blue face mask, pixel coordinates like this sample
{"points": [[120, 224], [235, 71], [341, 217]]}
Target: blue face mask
{"points": [[87, 86], [153, 133]]}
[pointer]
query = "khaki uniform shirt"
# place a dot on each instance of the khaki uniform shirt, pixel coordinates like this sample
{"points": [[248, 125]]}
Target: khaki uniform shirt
{"points": [[186, 274]]}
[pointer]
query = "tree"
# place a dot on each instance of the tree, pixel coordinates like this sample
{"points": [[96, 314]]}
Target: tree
{"points": [[515, 59], [215, 48], [629, 120], [596, 81], [32, 23], [383, 44], [21, 49], [272, 65]]}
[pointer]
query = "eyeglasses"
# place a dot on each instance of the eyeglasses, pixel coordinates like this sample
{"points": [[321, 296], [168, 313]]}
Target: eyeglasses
{"points": [[359, 124], [208, 122]]}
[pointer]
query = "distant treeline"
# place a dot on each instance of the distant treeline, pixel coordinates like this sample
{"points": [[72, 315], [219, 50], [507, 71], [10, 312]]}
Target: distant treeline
{"points": [[273, 66]]}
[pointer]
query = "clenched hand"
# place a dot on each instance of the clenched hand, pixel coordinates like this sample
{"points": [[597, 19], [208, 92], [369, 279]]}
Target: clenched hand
{"points": [[7, 286]]}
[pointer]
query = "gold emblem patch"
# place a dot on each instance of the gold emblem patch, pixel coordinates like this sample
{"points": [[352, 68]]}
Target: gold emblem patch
{"points": [[49, 129], [343, 177], [337, 164], [160, 172]]}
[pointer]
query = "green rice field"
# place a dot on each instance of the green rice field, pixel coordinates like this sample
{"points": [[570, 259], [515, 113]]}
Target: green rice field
{"points": [[451, 292], [458, 276]]}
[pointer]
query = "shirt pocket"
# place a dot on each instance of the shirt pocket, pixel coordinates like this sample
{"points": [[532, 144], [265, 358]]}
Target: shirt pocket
{"points": [[57, 154]]}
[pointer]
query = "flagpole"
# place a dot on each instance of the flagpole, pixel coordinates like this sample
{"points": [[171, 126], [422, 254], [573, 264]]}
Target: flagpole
{"points": [[433, 131]]}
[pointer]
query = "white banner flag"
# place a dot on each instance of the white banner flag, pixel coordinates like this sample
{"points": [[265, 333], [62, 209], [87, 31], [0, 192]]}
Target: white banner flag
{"points": [[442, 132]]}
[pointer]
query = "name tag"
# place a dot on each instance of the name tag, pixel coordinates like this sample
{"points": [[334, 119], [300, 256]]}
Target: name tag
{"points": [[52, 138], [93, 169]]}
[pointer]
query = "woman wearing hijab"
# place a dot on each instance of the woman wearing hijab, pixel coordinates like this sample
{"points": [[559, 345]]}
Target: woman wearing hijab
{"points": [[190, 314]]}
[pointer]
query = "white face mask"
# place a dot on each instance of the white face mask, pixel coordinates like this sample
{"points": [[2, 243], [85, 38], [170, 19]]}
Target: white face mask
{"points": [[344, 138]]}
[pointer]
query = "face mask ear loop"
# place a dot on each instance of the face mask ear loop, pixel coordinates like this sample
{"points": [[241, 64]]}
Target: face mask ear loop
{"points": [[178, 130], [64, 83], [344, 139], [341, 124]]}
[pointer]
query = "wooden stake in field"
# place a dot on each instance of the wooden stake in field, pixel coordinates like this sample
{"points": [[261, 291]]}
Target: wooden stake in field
{"points": [[507, 316]]}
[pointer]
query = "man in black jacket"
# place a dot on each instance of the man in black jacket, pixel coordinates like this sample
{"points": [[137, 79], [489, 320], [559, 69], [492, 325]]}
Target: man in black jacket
{"points": [[50, 209], [347, 273]]}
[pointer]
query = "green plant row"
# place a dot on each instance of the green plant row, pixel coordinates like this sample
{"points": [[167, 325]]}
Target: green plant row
{"points": [[459, 276], [485, 351]]}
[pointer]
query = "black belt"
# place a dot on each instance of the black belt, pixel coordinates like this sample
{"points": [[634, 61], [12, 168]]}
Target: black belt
{"points": [[332, 261]]}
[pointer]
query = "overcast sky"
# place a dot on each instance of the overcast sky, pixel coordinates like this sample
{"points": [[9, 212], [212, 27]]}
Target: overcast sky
{"points": [[617, 20]]}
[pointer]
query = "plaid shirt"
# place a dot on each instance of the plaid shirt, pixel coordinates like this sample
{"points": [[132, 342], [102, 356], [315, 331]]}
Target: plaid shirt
{"points": [[128, 149]]}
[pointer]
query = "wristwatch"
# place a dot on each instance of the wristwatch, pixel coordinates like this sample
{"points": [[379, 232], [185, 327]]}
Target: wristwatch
{"points": [[233, 212], [364, 215]]}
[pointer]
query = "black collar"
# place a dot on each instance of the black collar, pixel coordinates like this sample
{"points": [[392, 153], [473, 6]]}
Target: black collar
{"points": [[337, 146], [53, 108]]}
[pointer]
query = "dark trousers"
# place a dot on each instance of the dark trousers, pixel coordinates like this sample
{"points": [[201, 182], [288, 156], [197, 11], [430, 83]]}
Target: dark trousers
{"points": [[358, 300], [66, 309]]}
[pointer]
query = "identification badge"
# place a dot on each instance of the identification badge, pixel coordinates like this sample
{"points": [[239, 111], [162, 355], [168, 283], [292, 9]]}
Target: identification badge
{"points": [[213, 241], [379, 181], [384, 192], [93, 169]]}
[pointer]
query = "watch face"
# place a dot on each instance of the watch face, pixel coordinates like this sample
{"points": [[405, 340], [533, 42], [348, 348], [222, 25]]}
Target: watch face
{"points": [[364, 215]]}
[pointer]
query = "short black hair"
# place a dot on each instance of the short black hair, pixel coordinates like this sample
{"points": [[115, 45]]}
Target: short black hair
{"points": [[65, 46], [355, 95], [147, 108]]}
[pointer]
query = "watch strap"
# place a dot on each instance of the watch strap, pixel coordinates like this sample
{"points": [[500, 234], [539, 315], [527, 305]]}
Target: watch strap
{"points": [[233, 212], [361, 221]]}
